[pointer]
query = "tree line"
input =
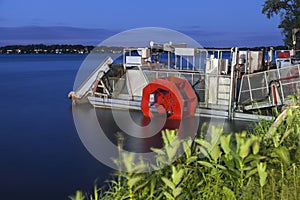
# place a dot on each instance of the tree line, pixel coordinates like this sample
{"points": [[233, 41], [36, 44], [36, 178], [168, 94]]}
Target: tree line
{"points": [[57, 49], [81, 49]]}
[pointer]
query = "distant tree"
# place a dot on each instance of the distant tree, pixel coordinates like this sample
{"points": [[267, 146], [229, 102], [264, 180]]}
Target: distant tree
{"points": [[289, 12]]}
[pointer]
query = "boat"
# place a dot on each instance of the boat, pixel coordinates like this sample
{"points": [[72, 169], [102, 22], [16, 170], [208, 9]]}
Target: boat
{"points": [[180, 81]]}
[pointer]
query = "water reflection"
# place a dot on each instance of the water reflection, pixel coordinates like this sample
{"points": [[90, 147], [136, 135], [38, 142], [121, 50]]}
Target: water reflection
{"points": [[99, 131], [186, 128]]}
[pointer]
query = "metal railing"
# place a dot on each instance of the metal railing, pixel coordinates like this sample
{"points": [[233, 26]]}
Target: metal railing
{"points": [[255, 88], [195, 78]]}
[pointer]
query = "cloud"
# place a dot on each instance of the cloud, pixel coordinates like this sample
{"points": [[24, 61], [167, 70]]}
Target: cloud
{"points": [[72, 35], [234, 38], [52, 35]]}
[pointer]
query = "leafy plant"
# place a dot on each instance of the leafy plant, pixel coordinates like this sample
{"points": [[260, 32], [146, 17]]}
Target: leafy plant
{"points": [[263, 164]]}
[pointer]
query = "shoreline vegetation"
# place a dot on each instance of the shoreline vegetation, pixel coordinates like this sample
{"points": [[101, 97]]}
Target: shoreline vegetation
{"points": [[81, 49], [263, 163]]}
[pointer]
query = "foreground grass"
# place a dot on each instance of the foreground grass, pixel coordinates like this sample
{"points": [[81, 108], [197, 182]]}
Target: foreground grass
{"points": [[263, 164]]}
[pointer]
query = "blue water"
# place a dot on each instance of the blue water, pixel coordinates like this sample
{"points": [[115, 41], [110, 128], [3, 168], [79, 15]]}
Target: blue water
{"points": [[41, 154]]}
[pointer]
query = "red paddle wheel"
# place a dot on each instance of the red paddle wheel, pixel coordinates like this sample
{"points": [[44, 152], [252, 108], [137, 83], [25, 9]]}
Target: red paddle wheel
{"points": [[173, 96]]}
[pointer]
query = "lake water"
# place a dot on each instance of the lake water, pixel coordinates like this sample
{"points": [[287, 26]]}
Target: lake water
{"points": [[42, 156]]}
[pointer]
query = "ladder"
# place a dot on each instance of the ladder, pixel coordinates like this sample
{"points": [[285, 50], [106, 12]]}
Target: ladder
{"points": [[218, 91]]}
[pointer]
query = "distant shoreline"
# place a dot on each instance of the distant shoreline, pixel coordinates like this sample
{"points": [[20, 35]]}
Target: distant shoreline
{"points": [[81, 49]]}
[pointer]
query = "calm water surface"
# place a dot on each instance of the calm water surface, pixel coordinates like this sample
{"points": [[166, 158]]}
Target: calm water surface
{"points": [[41, 154]]}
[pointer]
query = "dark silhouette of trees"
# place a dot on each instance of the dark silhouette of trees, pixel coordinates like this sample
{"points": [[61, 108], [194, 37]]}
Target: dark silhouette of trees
{"points": [[289, 12], [57, 49]]}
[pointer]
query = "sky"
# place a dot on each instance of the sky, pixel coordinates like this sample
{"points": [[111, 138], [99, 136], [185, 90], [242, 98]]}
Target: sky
{"points": [[212, 23]]}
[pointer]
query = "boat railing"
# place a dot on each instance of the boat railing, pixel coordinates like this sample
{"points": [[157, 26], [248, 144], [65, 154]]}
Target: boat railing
{"points": [[176, 57], [268, 88], [196, 79]]}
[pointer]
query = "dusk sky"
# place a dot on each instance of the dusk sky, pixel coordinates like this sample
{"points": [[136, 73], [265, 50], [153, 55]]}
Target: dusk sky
{"points": [[212, 23]]}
